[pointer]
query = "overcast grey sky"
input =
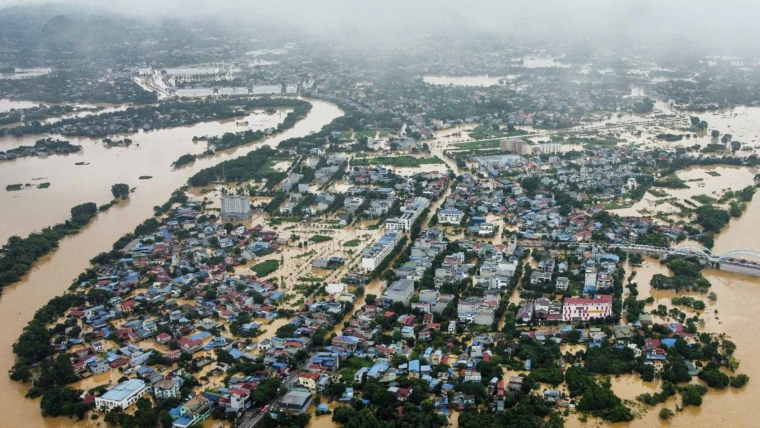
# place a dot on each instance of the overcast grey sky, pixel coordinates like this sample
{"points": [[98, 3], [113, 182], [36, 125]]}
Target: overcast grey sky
{"points": [[699, 21]]}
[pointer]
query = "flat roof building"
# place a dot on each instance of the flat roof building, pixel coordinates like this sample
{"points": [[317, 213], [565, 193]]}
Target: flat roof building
{"points": [[122, 395], [236, 208], [400, 291], [450, 216], [295, 401], [374, 255]]}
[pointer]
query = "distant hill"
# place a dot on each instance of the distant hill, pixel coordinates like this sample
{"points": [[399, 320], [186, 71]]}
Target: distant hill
{"points": [[80, 34]]}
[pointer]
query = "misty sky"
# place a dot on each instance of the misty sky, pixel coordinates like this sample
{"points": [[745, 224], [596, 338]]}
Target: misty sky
{"points": [[698, 21]]}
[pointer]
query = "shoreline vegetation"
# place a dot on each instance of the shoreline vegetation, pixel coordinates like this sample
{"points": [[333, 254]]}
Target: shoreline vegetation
{"points": [[42, 147], [36, 360], [166, 114], [38, 113], [231, 140], [253, 166], [19, 255]]}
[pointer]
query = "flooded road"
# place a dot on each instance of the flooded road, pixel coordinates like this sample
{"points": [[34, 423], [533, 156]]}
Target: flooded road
{"points": [[54, 272]]}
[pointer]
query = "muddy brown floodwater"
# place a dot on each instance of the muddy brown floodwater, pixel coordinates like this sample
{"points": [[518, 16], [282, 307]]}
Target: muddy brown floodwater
{"points": [[711, 181], [54, 273], [738, 297], [151, 154]]}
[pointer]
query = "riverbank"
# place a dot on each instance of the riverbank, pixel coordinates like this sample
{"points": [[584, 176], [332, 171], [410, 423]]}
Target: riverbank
{"points": [[732, 314], [54, 272], [150, 154]]}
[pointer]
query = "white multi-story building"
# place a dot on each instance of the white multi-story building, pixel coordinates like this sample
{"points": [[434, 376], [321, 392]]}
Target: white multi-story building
{"points": [[266, 89], [236, 208], [122, 395], [450, 216], [562, 283], [194, 92], [192, 71], [394, 224], [166, 388], [631, 183], [410, 211], [486, 229], [374, 255], [585, 309], [590, 277], [514, 145]]}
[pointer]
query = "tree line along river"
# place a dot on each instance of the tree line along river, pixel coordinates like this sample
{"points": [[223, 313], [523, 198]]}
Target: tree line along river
{"points": [[33, 209]]}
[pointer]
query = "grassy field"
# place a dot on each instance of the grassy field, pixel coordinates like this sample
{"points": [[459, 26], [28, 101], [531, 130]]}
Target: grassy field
{"points": [[399, 161], [310, 279], [484, 132], [658, 193], [320, 238], [352, 365], [265, 268], [615, 205], [474, 145], [352, 243], [704, 199]]}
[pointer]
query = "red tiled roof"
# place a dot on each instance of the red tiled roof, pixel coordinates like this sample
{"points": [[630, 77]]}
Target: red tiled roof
{"points": [[307, 375]]}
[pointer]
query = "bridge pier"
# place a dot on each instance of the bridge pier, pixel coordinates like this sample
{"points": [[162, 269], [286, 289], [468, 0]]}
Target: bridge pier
{"points": [[740, 268]]}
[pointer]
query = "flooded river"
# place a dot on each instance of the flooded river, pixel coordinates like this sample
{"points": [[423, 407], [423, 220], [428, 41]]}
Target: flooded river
{"points": [[32, 209], [8, 105], [711, 181], [53, 274], [738, 296], [151, 154]]}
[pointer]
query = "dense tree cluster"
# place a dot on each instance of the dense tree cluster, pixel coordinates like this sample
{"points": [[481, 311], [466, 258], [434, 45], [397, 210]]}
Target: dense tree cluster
{"points": [[20, 254], [385, 411], [597, 399], [253, 166], [120, 191], [712, 219], [687, 275]]}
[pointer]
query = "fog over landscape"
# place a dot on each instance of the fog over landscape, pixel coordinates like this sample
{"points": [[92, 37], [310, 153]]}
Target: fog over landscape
{"points": [[703, 25], [379, 214]]}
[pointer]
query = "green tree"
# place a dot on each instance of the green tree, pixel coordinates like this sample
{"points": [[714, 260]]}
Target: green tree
{"points": [[120, 191], [739, 381], [666, 414], [82, 213]]}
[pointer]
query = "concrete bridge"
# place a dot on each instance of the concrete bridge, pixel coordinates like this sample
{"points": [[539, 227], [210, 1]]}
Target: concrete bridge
{"points": [[743, 261]]}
